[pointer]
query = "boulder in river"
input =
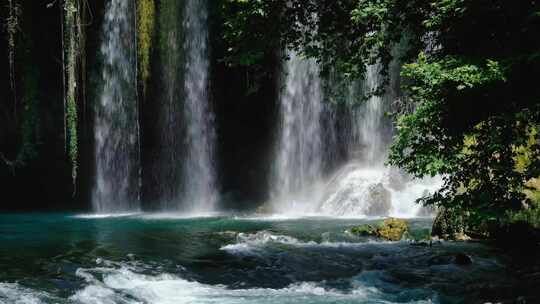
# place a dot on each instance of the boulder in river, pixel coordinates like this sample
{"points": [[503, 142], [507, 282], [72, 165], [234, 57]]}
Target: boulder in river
{"points": [[378, 200], [462, 259], [364, 230], [391, 229]]}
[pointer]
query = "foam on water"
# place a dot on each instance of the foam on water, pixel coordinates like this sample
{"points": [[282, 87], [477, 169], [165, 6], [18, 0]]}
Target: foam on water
{"points": [[180, 216], [257, 243], [108, 285], [106, 215], [357, 191], [13, 293]]}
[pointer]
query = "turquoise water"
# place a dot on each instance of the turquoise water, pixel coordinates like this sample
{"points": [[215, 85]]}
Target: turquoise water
{"points": [[149, 258]]}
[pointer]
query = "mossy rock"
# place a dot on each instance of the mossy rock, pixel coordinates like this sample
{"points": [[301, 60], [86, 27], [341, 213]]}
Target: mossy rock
{"points": [[449, 225], [393, 229], [364, 230]]}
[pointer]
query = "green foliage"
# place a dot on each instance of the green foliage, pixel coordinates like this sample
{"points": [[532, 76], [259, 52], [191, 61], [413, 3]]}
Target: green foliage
{"points": [[475, 108], [145, 30], [255, 30], [419, 148]]}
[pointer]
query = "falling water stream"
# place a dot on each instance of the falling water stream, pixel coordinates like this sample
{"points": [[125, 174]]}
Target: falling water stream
{"points": [[186, 174], [199, 173], [365, 186], [117, 152], [299, 157]]}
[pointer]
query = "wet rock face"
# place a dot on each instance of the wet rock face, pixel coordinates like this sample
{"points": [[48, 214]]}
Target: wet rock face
{"points": [[378, 200], [358, 193]]}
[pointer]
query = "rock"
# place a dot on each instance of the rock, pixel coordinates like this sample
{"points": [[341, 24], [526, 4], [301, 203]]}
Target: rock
{"points": [[421, 243], [393, 229], [364, 230], [441, 259], [378, 200], [460, 236], [449, 225], [462, 259]]}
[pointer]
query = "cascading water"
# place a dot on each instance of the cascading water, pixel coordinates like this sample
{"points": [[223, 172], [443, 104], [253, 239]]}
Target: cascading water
{"points": [[199, 171], [168, 163], [299, 157], [370, 129], [187, 175], [365, 186], [117, 184]]}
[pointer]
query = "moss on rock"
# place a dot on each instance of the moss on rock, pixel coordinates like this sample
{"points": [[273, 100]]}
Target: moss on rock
{"points": [[364, 230], [391, 229]]}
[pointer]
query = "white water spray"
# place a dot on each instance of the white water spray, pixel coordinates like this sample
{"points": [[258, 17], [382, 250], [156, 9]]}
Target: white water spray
{"points": [[117, 152], [299, 157], [200, 194], [365, 186]]}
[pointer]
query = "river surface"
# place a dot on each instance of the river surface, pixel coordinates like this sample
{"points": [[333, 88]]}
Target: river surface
{"points": [[163, 258]]}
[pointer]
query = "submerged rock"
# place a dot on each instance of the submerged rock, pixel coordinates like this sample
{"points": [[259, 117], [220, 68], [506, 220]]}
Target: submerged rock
{"points": [[462, 259], [391, 229]]}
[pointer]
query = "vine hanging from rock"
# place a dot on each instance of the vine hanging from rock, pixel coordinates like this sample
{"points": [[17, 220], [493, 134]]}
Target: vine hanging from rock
{"points": [[145, 29], [12, 27], [72, 23]]}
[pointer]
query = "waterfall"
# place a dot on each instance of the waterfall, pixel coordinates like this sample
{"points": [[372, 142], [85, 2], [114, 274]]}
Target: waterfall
{"points": [[186, 173], [364, 186], [199, 172], [299, 156], [169, 135], [117, 152], [370, 128]]}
